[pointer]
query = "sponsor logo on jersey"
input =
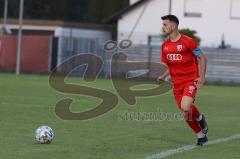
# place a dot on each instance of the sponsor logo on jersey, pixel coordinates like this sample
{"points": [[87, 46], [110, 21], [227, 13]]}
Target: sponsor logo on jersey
{"points": [[174, 57]]}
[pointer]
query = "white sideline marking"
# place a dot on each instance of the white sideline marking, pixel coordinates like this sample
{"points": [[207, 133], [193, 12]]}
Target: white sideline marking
{"points": [[190, 147]]}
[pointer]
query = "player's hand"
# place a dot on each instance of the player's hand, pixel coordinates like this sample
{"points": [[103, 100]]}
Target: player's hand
{"points": [[160, 79], [199, 82]]}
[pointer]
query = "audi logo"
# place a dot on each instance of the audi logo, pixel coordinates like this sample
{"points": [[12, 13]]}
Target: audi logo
{"points": [[174, 57]]}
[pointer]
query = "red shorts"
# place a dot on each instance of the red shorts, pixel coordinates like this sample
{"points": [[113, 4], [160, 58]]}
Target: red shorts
{"points": [[184, 89]]}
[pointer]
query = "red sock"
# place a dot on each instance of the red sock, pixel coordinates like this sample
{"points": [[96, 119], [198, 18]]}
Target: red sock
{"points": [[194, 112], [192, 122], [194, 126]]}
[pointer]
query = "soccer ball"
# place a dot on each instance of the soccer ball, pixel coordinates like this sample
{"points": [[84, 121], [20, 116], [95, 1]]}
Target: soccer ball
{"points": [[44, 135]]}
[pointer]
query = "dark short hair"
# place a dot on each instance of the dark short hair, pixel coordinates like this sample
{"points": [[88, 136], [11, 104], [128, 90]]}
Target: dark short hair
{"points": [[171, 18]]}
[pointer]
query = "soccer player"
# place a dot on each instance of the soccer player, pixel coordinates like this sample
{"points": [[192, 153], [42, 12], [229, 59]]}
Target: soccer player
{"points": [[180, 54]]}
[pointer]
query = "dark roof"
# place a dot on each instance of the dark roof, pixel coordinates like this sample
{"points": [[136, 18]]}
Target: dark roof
{"points": [[118, 14]]}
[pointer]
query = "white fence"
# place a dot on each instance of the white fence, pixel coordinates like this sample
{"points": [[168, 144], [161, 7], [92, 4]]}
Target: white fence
{"points": [[223, 64]]}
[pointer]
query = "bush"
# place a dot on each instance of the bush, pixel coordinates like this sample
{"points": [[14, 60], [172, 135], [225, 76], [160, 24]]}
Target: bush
{"points": [[190, 33]]}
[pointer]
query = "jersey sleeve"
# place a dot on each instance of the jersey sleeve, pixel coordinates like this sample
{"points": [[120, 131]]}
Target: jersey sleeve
{"points": [[193, 46]]}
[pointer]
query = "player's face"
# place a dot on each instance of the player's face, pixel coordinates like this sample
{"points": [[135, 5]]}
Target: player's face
{"points": [[167, 27]]}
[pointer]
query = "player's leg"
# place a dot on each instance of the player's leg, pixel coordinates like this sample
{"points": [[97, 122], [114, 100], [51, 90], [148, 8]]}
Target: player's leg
{"points": [[193, 124], [203, 123], [191, 113], [194, 118], [187, 105]]}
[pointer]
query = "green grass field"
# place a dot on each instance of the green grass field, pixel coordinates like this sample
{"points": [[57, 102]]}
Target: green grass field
{"points": [[27, 102]]}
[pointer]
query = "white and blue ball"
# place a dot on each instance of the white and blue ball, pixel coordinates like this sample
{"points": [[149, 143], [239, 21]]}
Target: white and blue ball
{"points": [[44, 135]]}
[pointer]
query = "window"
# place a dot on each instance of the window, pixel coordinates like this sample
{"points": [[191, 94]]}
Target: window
{"points": [[193, 8], [234, 10]]}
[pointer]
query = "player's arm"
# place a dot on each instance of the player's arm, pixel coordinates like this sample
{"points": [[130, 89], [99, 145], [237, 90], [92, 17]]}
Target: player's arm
{"points": [[164, 61], [162, 77], [203, 66]]}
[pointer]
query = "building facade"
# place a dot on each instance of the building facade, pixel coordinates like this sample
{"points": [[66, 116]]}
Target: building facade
{"points": [[214, 20]]}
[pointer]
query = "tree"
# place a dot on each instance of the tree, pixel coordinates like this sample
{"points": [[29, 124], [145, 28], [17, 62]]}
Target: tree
{"points": [[45, 9], [77, 10], [100, 9], [190, 33], [93, 11]]}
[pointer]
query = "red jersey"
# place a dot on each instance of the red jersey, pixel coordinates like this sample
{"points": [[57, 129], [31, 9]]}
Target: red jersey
{"points": [[179, 56]]}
